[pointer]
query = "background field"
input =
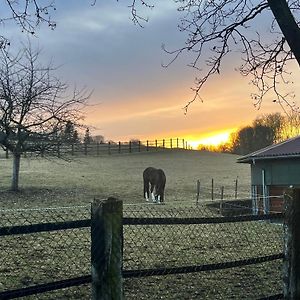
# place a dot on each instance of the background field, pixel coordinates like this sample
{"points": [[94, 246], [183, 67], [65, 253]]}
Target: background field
{"points": [[40, 258], [47, 183]]}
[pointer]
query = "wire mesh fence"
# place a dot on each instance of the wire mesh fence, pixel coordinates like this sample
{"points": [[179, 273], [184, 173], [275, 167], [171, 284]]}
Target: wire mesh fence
{"points": [[169, 252], [45, 255], [196, 259]]}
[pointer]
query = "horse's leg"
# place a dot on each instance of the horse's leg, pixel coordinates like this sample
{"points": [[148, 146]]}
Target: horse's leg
{"points": [[152, 193], [162, 196], [146, 190], [158, 199]]}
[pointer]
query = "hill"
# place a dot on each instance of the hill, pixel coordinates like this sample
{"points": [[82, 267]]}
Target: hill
{"points": [[48, 183]]}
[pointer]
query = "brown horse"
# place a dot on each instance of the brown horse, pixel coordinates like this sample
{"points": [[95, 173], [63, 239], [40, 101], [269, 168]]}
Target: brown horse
{"points": [[154, 183]]}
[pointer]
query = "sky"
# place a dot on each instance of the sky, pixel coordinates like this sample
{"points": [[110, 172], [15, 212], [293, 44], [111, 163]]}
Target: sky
{"points": [[134, 97]]}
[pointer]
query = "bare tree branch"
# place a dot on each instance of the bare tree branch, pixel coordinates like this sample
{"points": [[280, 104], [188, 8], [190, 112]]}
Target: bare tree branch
{"points": [[136, 17]]}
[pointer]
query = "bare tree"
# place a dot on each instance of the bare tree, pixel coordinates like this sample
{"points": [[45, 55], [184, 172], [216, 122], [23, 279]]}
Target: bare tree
{"points": [[290, 127], [223, 26], [216, 28], [34, 106]]}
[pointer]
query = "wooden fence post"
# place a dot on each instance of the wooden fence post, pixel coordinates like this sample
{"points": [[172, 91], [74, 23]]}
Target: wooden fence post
{"points": [[221, 201], [147, 145], [291, 261], [106, 249], [139, 146], [109, 152], [6, 153], [212, 189], [171, 145], [222, 192], [198, 191], [155, 144], [119, 148], [235, 189], [177, 143], [130, 150]]}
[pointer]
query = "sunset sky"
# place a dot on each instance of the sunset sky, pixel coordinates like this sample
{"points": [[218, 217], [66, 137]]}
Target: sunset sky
{"points": [[134, 97]]}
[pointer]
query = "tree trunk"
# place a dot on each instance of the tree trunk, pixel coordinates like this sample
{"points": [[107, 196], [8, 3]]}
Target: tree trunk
{"points": [[287, 24], [16, 169]]}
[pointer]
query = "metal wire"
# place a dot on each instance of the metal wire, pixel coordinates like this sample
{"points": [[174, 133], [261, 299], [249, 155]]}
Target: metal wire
{"points": [[166, 256]]}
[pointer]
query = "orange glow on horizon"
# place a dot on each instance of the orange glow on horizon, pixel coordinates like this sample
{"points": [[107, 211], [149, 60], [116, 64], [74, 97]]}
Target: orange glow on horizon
{"points": [[212, 139]]}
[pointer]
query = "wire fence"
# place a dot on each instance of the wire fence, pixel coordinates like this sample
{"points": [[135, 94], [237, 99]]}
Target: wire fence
{"points": [[202, 255], [39, 257], [214, 190], [169, 252]]}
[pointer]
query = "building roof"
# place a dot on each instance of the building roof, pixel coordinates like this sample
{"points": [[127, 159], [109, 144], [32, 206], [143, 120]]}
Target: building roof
{"points": [[286, 149]]}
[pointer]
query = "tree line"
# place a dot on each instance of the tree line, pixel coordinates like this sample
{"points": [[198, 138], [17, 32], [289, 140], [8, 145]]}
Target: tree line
{"points": [[265, 130], [70, 135]]}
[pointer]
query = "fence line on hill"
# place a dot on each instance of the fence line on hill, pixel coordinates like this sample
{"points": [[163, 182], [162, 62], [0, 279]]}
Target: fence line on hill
{"points": [[109, 148]]}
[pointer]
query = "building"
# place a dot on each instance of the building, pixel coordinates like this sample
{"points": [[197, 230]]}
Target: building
{"points": [[273, 169]]}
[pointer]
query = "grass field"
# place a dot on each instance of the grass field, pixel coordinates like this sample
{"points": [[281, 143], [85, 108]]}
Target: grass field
{"points": [[39, 258], [48, 183]]}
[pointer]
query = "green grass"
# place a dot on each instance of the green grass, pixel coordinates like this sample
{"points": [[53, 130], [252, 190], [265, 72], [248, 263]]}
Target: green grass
{"points": [[45, 184]]}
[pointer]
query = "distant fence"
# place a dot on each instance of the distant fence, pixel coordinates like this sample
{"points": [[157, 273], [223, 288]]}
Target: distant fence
{"points": [[235, 198], [109, 148], [210, 189], [159, 250]]}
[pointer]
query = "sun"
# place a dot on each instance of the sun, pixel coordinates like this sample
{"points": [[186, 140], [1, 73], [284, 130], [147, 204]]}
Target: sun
{"points": [[213, 139]]}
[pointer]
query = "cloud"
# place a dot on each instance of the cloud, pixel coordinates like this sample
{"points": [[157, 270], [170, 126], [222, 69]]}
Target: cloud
{"points": [[99, 18], [99, 47]]}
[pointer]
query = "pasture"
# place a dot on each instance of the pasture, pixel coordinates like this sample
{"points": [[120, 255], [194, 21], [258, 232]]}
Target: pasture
{"points": [[56, 183], [48, 183]]}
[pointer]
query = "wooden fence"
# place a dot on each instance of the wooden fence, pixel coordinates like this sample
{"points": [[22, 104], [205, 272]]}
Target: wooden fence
{"points": [[107, 223], [109, 148]]}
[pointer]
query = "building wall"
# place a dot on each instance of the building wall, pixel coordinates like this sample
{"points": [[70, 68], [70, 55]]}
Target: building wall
{"points": [[278, 175], [278, 172]]}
